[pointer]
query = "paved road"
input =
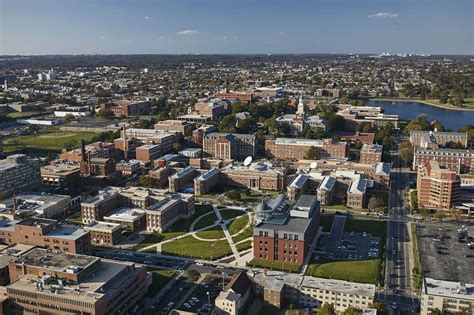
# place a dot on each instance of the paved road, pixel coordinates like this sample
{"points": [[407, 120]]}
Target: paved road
{"points": [[398, 287]]}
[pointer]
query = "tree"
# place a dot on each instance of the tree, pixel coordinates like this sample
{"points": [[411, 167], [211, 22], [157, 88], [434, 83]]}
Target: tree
{"points": [[406, 152], [193, 274], [147, 181], [327, 309], [69, 118], [33, 128], [352, 311], [105, 114], [336, 122], [380, 307], [177, 146], [440, 215], [436, 312], [455, 213], [234, 195], [311, 153]]}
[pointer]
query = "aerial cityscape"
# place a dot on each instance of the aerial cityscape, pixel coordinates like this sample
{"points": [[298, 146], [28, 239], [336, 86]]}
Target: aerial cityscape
{"points": [[236, 157]]}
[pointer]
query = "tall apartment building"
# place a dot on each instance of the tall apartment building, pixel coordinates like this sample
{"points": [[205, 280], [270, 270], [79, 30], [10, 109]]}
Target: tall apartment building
{"points": [[371, 154], [127, 108], [449, 297], [59, 283], [460, 161], [434, 139], [297, 149], [229, 146], [15, 169], [437, 187], [46, 233], [284, 230]]}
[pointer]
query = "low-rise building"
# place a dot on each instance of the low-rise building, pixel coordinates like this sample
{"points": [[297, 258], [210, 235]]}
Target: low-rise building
{"points": [[233, 298], [128, 218], [59, 283], [460, 161], [297, 149], [448, 297], [298, 121], [357, 194], [127, 108], [184, 127], [277, 288], [256, 176], [148, 152], [128, 168], [367, 114], [207, 181], [163, 214], [371, 154], [229, 146], [199, 133], [46, 233], [104, 232], [37, 204], [435, 139], [61, 174], [180, 179]]}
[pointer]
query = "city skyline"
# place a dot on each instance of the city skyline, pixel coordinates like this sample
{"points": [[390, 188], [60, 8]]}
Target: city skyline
{"points": [[228, 27]]}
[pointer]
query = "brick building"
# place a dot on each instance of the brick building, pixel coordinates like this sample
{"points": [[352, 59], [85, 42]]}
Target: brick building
{"points": [[73, 284], [148, 152], [297, 149], [243, 97], [457, 160], [128, 168], [13, 172], [183, 127], [229, 146], [180, 179], [284, 230], [371, 154], [438, 188], [104, 232], [46, 233], [127, 108]]}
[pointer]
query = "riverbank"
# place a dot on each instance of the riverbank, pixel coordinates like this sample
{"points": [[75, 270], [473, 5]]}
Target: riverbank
{"points": [[434, 103]]}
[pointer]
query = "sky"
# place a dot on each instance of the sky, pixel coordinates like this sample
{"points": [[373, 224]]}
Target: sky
{"points": [[37, 27]]}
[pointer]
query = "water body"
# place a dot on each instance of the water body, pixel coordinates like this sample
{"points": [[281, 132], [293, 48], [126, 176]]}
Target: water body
{"points": [[453, 119]]}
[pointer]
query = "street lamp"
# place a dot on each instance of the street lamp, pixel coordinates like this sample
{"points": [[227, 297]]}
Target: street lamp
{"points": [[208, 302]]}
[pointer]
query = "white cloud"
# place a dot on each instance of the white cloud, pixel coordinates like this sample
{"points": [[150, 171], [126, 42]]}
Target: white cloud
{"points": [[220, 38], [102, 37], [384, 15], [147, 17], [188, 32]]}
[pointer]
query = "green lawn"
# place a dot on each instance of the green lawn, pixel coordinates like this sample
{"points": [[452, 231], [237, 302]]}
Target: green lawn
{"points": [[160, 279], [342, 207], [184, 224], [190, 247], [362, 271], [244, 245], [207, 220], [154, 238], [248, 232], [211, 234], [238, 224], [24, 115], [56, 140], [374, 227], [231, 213], [76, 218], [272, 265]]}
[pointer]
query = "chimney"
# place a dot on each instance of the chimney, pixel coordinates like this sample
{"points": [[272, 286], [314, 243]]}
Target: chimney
{"points": [[83, 150], [14, 205], [88, 163], [125, 143]]}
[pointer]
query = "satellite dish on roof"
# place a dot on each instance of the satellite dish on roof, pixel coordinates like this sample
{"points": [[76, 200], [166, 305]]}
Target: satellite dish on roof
{"points": [[248, 160], [313, 165]]}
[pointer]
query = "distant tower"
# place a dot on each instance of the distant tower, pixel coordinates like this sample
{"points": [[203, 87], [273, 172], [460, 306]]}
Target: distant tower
{"points": [[5, 85], [300, 111]]}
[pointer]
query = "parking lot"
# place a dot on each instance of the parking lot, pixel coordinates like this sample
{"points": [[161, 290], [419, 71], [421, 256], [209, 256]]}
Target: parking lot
{"points": [[442, 255], [193, 297], [347, 246]]}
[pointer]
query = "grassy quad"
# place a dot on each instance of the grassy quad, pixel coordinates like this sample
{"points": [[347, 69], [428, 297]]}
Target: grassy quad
{"points": [[274, 265], [55, 140], [190, 247], [228, 214], [160, 279]]}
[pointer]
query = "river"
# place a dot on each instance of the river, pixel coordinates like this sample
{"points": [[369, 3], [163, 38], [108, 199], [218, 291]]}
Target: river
{"points": [[453, 119]]}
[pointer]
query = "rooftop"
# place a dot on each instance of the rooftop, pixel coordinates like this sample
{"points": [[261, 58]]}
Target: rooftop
{"points": [[126, 214], [450, 289]]}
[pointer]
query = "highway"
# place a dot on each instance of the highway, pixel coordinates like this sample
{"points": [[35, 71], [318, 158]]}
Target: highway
{"points": [[398, 289]]}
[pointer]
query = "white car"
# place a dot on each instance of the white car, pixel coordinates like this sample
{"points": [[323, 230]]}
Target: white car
{"points": [[187, 305]]}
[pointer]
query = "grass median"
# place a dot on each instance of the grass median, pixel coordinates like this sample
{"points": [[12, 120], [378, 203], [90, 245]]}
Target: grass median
{"points": [[190, 247]]}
